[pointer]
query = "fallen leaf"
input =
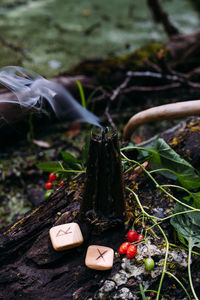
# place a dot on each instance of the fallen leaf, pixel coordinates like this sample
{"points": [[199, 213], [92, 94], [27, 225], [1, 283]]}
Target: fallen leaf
{"points": [[41, 144], [73, 130]]}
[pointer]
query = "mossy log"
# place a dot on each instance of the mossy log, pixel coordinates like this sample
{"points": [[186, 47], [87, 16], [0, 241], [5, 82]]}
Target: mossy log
{"points": [[31, 269]]}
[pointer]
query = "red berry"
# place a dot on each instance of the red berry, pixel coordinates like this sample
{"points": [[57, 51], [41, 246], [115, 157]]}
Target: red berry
{"points": [[140, 237], [61, 183], [132, 236], [48, 185], [52, 177], [123, 248], [131, 252]]}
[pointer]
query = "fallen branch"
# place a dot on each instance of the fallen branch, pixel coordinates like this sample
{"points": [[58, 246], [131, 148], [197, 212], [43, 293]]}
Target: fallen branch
{"points": [[15, 48], [160, 16], [163, 112]]}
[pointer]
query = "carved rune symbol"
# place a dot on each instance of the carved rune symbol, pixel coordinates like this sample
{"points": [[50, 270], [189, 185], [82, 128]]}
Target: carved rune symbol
{"points": [[101, 254], [62, 232]]}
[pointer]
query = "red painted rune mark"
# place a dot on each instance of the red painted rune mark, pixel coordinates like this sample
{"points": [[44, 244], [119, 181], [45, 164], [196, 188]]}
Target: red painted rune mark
{"points": [[62, 232], [101, 254]]}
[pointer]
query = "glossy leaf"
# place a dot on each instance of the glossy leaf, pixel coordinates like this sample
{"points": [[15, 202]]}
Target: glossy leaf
{"points": [[163, 156], [187, 225], [50, 166]]}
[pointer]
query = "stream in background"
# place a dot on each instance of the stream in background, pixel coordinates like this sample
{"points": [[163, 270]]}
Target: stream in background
{"points": [[54, 35]]}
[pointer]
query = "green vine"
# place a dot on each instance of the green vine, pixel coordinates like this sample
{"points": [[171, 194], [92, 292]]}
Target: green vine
{"points": [[158, 221]]}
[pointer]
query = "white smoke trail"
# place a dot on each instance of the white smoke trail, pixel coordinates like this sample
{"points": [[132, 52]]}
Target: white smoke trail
{"points": [[30, 90]]}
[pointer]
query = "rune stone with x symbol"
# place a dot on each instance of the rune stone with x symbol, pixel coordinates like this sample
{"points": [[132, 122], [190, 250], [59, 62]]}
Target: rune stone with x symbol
{"points": [[101, 254]]}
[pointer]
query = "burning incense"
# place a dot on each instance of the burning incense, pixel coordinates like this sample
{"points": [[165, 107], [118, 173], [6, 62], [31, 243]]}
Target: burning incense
{"points": [[29, 92], [104, 188]]}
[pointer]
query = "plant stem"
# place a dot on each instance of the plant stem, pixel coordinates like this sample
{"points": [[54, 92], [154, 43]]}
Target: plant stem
{"points": [[157, 184], [176, 186], [170, 274], [140, 205], [171, 216], [189, 268], [165, 261], [191, 209], [142, 291], [177, 200], [166, 241], [70, 171], [184, 248], [162, 169]]}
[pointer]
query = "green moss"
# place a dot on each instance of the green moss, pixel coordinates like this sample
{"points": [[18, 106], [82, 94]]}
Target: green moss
{"points": [[133, 61], [21, 221]]}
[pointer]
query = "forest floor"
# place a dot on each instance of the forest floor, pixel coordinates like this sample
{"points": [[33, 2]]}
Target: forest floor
{"points": [[37, 140]]}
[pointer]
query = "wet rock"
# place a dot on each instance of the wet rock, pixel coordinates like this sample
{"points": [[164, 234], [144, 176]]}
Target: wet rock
{"points": [[178, 257], [120, 278], [105, 290], [124, 294]]}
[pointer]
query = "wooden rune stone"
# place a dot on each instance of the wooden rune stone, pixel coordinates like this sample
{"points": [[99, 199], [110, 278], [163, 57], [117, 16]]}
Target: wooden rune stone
{"points": [[65, 236], [104, 186], [62, 232], [99, 257], [101, 254]]}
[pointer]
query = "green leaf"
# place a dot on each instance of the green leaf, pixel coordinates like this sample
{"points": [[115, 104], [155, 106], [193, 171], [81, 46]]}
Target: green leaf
{"points": [[69, 158], [48, 194], [187, 225], [142, 291], [81, 91], [181, 238], [195, 198], [70, 161], [189, 179], [163, 156], [50, 166]]}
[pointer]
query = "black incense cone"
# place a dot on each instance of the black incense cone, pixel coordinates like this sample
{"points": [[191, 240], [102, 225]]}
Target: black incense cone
{"points": [[104, 187]]}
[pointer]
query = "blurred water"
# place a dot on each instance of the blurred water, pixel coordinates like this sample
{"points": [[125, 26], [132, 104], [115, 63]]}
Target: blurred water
{"points": [[68, 31]]}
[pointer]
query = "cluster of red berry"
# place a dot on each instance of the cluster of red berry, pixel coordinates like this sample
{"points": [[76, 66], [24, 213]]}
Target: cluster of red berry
{"points": [[52, 179], [131, 249]]}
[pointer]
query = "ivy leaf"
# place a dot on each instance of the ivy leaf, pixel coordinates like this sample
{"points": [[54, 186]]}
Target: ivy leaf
{"points": [[195, 198], [189, 179], [163, 156], [181, 238], [187, 225]]}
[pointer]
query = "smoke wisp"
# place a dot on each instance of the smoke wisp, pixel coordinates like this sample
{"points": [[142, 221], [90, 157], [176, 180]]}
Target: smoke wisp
{"points": [[30, 90]]}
